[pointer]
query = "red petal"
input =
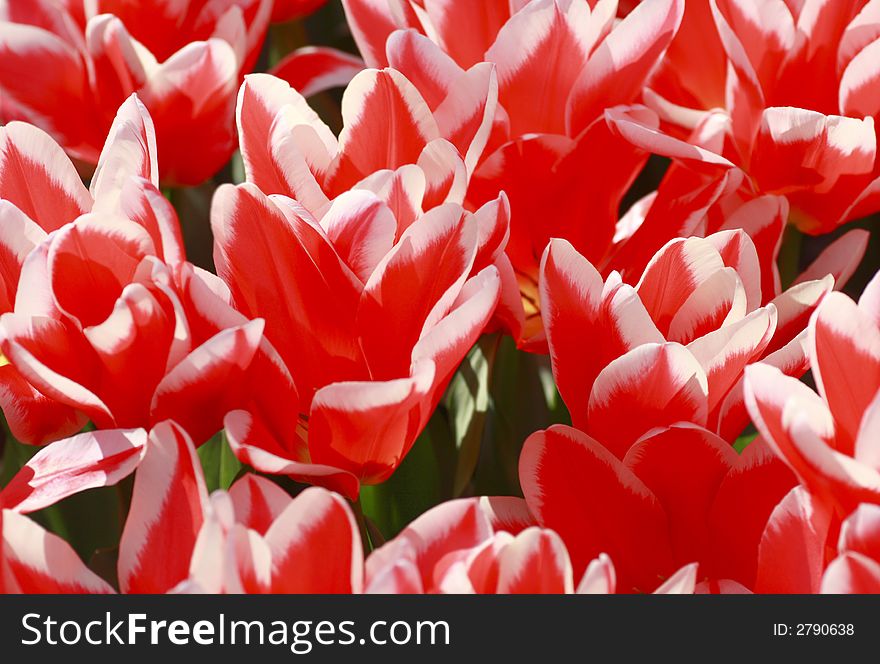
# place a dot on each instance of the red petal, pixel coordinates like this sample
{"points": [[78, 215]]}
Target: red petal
{"points": [[166, 514], [618, 69], [257, 502], [792, 552], [314, 69], [414, 287], [579, 489], [38, 178], [367, 428], [451, 526], [386, 125], [653, 385], [585, 329], [67, 467], [305, 292], [686, 497], [316, 546], [35, 561], [852, 573], [845, 356], [535, 562]]}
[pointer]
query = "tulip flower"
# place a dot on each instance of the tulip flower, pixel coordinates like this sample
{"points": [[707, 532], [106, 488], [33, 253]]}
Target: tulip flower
{"points": [[253, 538], [360, 240], [331, 304], [104, 319], [674, 346], [640, 510], [828, 439], [184, 60], [577, 62], [488, 546], [177, 538], [816, 144]]}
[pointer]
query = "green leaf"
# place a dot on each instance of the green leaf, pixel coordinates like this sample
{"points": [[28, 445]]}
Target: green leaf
{"points": [[219, 464], [467, 400], [743, 441], [236, 167], [522, 399], [15, 455], [89, 520], [416, 486]]}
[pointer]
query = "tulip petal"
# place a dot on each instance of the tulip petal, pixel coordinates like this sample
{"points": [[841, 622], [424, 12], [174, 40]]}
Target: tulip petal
{"points": [[651, 386], [316, 546], [38, 178], [858, 85], [19, 235], [367, 428], [86, 461], [725, 352], [845, 356], [617, 70], [130, 151], [284, 144], [507, 513], [32, 417], [414, 287], [255, 445], [314, 69], [599, 577], [746, 497], [852, 573], [144, 204], [585, 330], [191, 97], [797, 148], [686, 497], [535, 562], [34, 561], [166, 514], [196, 392], [386, 125], [596, 504], [257, 502], [792, 549], [451, 526], [306, 294], [362, 230]]}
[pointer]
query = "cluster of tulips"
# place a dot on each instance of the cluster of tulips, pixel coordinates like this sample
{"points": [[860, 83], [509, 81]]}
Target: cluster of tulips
{"points": [[706, 421]]}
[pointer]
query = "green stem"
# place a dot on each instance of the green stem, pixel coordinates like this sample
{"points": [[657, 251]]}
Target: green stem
{"points": [[284, 38], [124, 490], [790, 256], [363, 526]]}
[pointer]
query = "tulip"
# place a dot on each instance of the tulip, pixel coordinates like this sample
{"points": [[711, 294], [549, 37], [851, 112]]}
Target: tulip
{"points": [[828, 439], [816, 144], [641, 511], [104, 320], [577, 62], [177, 538], [489, 546], [184, 60], [674, 346], [359, 240]]}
